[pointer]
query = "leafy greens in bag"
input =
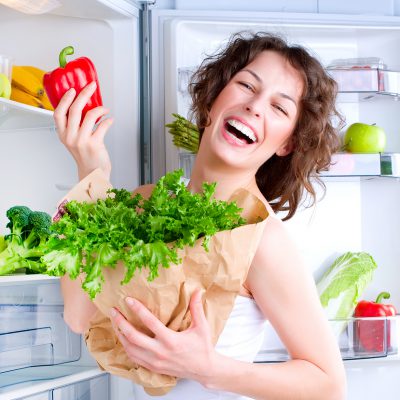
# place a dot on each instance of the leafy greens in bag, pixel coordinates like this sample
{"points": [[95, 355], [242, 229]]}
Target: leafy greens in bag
{"points": [[140, 233]]}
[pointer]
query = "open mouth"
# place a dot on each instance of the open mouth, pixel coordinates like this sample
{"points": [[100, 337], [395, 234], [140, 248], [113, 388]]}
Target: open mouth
{"points": [[240, 131]]}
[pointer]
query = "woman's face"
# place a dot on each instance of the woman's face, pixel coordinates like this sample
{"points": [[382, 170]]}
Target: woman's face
{"points": [[255, 114]]}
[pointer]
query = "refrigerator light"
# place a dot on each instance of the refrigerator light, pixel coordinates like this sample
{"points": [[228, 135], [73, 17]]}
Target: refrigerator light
{"points": [[32, 7]]}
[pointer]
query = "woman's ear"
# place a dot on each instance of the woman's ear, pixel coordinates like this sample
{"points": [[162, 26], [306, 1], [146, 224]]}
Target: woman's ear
{"points": [[285, 149]]}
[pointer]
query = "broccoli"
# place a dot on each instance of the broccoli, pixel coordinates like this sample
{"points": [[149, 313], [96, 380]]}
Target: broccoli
{"points": [[24, 245]]}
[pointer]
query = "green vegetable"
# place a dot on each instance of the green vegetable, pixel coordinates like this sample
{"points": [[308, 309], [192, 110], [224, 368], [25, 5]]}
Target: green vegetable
{"points": [[343, 283], [141, 233], [24, 245], [3, 244], [185, 134]]}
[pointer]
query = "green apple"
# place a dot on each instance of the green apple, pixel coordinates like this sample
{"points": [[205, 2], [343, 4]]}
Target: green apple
{"points": [[364, 138], [5, 86]]}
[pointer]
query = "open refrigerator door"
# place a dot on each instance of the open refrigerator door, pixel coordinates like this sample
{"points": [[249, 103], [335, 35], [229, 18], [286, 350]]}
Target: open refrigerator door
{"points": [[181, 39]]}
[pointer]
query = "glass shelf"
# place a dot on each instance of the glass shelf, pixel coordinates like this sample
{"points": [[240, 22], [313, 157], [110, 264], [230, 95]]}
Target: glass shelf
{"points": [[38, 380], [15, 116], [343, 165]]}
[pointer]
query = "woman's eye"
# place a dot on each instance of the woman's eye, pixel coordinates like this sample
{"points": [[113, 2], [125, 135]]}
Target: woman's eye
{"points": [[280, 109], [246, 85]]}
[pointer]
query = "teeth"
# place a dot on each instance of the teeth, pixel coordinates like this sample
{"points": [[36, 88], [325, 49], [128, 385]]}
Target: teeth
{"points": [[242, 128]]}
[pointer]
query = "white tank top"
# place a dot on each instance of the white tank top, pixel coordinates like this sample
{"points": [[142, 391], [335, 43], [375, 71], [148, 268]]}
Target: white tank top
{"points": [[241, 339]]}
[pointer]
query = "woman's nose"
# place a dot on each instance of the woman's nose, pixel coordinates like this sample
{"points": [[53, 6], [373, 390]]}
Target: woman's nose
{"points": [[253, 109]]}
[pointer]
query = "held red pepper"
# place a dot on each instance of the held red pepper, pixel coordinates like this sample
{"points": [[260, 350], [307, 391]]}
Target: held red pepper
{"points": [[371, 333], [74, 74]]}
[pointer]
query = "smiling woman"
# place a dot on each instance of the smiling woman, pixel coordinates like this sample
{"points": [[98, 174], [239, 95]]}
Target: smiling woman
{"points": [[264, 111], [282, 177]]}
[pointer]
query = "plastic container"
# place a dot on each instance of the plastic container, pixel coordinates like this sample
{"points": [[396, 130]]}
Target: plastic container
{"points": [[364, 75], [354, 164], [32, 329], [358, 338], [6, 63]]}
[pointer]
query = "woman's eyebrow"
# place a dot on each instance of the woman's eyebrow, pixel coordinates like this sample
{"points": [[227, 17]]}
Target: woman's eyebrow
{"points": [[257, 78], [254, 74]]}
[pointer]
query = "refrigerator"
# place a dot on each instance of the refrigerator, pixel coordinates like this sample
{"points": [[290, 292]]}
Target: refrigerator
{"points": [[145, 52]]}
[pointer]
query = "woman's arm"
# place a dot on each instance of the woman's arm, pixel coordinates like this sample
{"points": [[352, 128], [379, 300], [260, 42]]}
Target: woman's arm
{"points": [[86, 145], [285, 292], [78, 308]]}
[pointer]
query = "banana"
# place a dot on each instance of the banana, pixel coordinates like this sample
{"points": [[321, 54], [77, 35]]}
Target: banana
{"points": [[46, 102], [39, 73], [26, 81], [25, 98]]}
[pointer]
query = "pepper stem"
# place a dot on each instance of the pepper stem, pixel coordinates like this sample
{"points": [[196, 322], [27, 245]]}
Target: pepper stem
{"points": [[66, 51], [383, 295]]}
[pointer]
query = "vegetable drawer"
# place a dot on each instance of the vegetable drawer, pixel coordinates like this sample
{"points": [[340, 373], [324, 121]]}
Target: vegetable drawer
{"points": [[358, 338], [32, 329]]}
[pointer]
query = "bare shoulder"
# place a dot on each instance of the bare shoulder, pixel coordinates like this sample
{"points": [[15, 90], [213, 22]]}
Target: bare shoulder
{"points": [[277, 247], [278, 270], [144, 190]]}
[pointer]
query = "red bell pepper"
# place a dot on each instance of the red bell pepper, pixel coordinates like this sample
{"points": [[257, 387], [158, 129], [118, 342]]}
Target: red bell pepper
{"points": [[74, 74], [371, 334]]}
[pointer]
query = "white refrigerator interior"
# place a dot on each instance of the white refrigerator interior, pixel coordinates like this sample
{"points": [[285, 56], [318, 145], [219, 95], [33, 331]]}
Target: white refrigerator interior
{"points": [[358, 212], [38, 172]]}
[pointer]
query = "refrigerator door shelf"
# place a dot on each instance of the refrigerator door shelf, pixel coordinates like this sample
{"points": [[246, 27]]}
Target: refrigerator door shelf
{"points": [[354, 164], [15, 115], [60, 382], [32, 328], [343, 164], [358, 338]]}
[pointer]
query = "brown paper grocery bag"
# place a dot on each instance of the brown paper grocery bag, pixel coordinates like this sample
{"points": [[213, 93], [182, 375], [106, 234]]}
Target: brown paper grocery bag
{"points": [[220, 273]]}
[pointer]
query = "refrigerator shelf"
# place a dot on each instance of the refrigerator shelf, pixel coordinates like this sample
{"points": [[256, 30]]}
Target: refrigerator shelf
{"points": [[358, 338], [15, 116], [61, 382], [343, 165], [26, 279]]}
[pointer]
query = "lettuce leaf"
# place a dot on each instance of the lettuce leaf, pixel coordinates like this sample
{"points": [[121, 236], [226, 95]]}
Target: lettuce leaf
{"points": [[342, 285]]}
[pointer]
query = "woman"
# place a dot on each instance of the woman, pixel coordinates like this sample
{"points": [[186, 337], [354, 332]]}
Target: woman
{"points": [[264, 112]]}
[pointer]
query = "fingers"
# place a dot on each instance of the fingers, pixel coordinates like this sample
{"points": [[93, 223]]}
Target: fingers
{"points": [[60, 113], [102, 129], [197, 311], [148, 319], [132, 335], [90, 119], [75, 111]]}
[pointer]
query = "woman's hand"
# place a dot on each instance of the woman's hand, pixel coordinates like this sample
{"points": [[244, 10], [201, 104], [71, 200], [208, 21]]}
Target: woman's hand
{"points": [[85, 143], [187, 354]]}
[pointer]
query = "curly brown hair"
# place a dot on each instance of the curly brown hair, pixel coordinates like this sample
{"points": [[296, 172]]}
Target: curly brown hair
{"points": [[281, 179]]}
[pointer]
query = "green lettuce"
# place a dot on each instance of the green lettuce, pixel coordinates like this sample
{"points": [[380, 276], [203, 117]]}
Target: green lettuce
{"points": [[342, 285], [142, 233]]}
